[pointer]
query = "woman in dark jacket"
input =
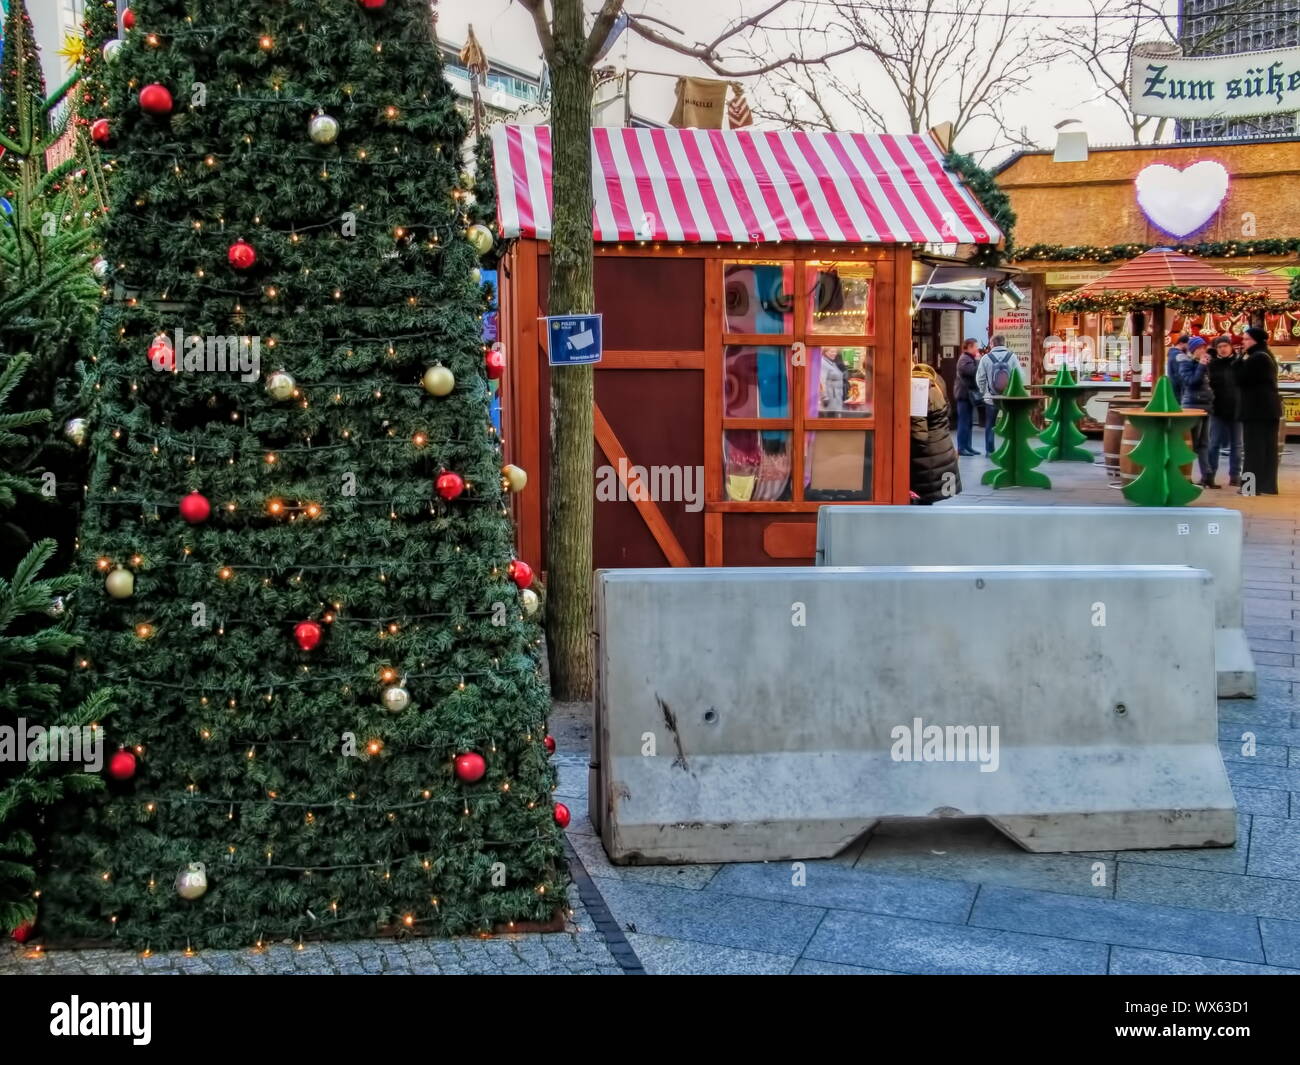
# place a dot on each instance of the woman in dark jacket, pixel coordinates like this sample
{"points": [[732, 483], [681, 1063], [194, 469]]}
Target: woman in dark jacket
{"points": [[966, 395], [934, 459], [1225, 429], [1260, 409]]}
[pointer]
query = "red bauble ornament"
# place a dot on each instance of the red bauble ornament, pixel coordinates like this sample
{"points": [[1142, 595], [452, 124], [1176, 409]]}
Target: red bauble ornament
{"points": [[549, 744], [450, 485], [162, 354], [521, 573], [22, 933], [373, 5], [562, 816], [195, 508], [470, 767], [241, 255], [99, 131], [156, 99], [495, 364], [128, 19], [122, 766], [308, 634]]}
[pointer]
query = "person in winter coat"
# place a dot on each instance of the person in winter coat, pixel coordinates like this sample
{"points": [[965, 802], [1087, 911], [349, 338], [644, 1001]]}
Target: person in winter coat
{"points": [[934, 472], [1191, 383], [991, 379], [1260, 409], [965, 394], [1225, 428]]}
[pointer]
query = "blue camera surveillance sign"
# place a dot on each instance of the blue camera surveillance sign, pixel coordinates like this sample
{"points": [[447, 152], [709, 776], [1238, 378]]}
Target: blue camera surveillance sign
{"points": [[574, 339]]}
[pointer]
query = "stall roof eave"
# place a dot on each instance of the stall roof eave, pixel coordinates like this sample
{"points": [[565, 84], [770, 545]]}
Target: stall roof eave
{"points": [[698, 186]]}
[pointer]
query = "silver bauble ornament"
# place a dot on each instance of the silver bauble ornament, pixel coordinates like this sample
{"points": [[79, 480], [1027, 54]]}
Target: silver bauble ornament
{"points": [[480, 237], [100, 269], [75, 430], [529, 598], [281, 385], [396, 699], [438, 381], [111, 50], [192, 881], [120, 583], [323, 129], [58, 607]]}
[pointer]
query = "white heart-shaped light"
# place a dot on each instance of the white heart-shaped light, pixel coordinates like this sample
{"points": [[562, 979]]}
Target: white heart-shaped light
{"points": [[1181, 201]]}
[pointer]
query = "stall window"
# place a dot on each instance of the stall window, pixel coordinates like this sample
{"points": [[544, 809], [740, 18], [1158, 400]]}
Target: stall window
{"points": [[798, 402]]}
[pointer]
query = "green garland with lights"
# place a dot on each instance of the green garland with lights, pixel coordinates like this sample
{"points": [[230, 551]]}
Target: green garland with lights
{"points": [[1295, 288], [996, 204], [1210, 249], [1219, 300]]}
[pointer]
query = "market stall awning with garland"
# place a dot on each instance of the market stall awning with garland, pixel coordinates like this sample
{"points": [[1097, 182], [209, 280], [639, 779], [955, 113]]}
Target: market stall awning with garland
{"points": [[1162, 277]]}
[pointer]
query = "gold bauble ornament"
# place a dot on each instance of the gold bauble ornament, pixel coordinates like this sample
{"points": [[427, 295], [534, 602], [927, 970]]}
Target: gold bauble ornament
{"points": [[396, 699], [192, 881], [480, 237], [281, 385], [515, 478], [120, 583], [476, 275], [529, 598], [323, 129], [439, 381]]}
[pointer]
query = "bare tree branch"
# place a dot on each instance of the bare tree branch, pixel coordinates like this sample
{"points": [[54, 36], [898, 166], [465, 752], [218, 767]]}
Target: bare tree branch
{"points": [[537, 8]]}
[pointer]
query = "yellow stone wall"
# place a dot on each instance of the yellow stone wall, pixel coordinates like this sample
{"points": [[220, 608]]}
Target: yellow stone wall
{"points": [[1094, 202]]}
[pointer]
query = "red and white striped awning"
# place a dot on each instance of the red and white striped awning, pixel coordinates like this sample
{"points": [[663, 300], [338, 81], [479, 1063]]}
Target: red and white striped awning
{"points": [[744, 185]]}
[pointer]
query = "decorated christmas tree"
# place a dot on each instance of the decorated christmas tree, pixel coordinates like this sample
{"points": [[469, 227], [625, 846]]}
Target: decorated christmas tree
{"points": [[1015, 458], [296, 521], [20, 75]]}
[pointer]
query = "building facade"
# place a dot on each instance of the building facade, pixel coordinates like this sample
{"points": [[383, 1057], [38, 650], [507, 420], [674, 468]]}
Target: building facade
{"points": [[1229, 27]]}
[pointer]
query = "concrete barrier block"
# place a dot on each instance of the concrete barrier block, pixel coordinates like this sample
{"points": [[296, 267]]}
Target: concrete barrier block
{"points": [[774, 713], [1208, 538]]}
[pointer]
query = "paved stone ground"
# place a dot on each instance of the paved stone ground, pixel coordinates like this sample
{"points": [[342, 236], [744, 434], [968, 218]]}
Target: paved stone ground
{"points": [[958, 897], [950, 897], [578, 951]]}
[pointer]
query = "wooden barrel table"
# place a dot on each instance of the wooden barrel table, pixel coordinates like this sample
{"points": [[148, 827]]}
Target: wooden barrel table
{"points": [[1113, 433]]}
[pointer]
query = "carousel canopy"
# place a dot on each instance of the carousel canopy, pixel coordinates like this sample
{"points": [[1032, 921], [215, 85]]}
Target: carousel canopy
{"points": [[748, 186], [1162, 277], [1161, 268]]}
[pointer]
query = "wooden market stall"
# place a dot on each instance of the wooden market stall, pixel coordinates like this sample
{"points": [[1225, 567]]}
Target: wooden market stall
{"points": [[1146, 290], [1231, 202], [755, 288]]}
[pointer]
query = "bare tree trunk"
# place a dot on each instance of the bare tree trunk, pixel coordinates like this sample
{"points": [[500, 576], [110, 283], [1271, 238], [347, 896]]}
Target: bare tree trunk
{"points": [[569, 522]]}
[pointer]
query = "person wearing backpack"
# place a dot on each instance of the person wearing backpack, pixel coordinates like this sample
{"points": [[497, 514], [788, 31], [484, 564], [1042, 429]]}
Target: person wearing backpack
{"points": [[992, 377]]}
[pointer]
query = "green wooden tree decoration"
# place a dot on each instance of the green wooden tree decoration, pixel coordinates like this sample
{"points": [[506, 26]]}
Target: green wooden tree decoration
{"points": [[1063, 436], [1162, 452], [1015, 458]]}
